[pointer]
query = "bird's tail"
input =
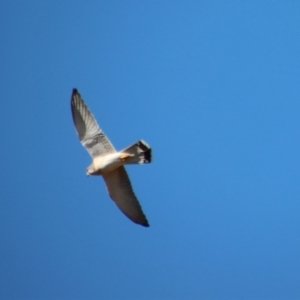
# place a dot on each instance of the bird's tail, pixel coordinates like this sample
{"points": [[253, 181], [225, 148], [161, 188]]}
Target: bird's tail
{"points": [[139, 153]]}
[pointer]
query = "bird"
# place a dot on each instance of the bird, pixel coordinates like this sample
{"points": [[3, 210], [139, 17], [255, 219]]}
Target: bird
{"points": [[109, 163]]}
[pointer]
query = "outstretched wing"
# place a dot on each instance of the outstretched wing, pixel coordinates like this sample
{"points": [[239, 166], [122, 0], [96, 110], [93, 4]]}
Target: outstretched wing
{"points": [[120, 190], [89, 133]]}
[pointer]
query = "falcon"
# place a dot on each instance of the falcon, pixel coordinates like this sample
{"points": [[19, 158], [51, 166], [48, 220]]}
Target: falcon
{"points": [[109, 163]]}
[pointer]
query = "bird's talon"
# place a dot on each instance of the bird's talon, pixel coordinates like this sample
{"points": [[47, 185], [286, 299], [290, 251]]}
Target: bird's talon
{"points": [[124, 157]]}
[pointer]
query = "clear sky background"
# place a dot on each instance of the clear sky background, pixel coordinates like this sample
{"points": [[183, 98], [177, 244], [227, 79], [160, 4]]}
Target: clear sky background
{"points": [[213, 87]]}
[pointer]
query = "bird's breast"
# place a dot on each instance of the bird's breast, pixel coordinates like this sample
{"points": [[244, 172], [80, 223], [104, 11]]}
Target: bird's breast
{"points": [[108, 162]]}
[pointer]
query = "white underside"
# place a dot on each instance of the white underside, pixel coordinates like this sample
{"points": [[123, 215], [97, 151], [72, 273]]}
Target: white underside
{"points": [[108, 162]]}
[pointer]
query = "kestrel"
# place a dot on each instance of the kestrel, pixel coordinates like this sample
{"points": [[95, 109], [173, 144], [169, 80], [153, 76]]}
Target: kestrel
{"points": [[109, 163]]}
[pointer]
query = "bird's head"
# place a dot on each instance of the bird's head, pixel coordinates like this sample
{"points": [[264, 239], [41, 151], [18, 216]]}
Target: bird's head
{"points": [[90, 170]]}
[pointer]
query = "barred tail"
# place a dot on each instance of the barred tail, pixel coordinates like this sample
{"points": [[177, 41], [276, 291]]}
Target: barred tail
{"points": [[140, 153]]}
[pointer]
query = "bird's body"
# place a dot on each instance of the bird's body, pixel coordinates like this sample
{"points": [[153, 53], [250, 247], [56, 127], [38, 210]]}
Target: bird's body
{"points": [[109, 163], [106, 163]]}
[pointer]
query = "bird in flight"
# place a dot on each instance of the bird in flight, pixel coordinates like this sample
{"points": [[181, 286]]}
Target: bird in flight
{"points": [[109, 163]]}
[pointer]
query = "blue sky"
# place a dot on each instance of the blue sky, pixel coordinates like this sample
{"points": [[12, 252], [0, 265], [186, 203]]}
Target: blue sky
{"points": [[213, 87]]}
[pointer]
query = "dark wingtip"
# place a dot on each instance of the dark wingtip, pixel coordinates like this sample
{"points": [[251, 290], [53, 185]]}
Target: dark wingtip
{"points": [[73, 101], [142, 221], [145, 224], [73, 96]]}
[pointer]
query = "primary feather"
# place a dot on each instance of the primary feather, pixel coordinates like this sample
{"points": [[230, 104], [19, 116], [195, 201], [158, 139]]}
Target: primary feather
{"points": [[89, 132], [120, 190]]}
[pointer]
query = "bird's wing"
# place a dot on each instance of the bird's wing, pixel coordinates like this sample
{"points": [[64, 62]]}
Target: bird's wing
{"points": [[121, 192], [89, 133]]}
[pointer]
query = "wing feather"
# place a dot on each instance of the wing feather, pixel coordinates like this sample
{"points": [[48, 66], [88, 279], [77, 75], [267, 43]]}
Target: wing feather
{"points": [[89, 132], [121, 192]]}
